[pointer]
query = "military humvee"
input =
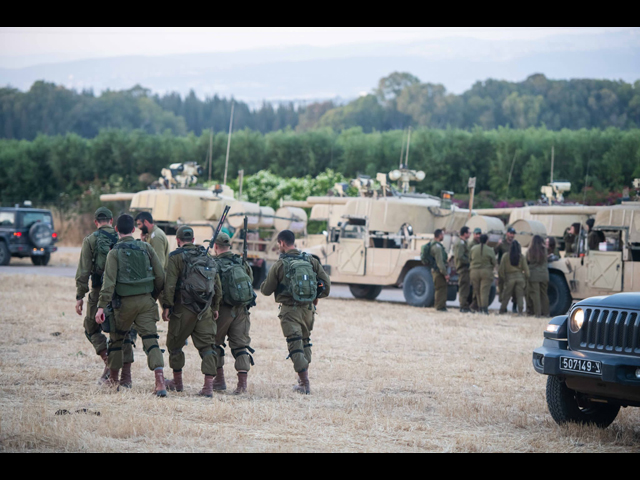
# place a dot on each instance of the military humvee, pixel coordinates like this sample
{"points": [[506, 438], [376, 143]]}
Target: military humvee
{"points": [[375, 240], [613, 268]]}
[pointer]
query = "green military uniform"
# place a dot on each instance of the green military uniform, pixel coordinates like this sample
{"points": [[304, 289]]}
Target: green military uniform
{"points": [[472, 243], [483, 263], [439, 271], [184, 323], [514, 281], [132, 308], [85, 271], [158, 240], [537, 289], [501, 250], [463, 264], [234, 323], [570, 247], [296, 320]]}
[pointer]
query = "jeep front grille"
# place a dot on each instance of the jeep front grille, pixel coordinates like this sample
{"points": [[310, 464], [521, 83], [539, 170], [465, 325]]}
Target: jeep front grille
{"points": [[610, 331]]}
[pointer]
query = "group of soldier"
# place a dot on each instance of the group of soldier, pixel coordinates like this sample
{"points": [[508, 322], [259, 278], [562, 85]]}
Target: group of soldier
{"points": [[203, 297], [520, 276]]}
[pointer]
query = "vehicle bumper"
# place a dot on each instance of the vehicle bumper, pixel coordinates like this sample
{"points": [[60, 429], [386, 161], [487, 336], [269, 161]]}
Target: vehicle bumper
{"points": [[29, 251]]}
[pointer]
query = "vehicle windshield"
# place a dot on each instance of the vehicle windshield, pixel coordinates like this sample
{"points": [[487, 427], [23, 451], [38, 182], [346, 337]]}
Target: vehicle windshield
{"points": [[7, 219], [29, 218]]}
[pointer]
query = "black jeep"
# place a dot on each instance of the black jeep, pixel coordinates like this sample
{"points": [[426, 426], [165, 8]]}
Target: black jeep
{"points": [[26, 232], [592, 358]]}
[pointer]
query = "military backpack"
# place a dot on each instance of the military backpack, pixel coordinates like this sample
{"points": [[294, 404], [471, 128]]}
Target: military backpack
{"points": [[300, 279], [237, 286], [426, 256], [198, 280], [104, 244], [135, 274]]}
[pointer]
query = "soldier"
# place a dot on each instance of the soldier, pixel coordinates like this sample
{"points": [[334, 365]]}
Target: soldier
{"points": [[463, 262], [133, 279], [155, 237], [514, 274], [93, 257], [477, 234], [539, 279], [439, 270], [571, 240], [234, 321], [595, 238], [483, 264], [504, 248], [297, 304], [191, 301]]}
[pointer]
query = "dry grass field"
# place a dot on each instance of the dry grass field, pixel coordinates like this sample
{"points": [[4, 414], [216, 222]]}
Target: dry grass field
{"points": [[385, 378]]}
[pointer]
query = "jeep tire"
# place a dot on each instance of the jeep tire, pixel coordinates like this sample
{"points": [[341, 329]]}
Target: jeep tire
{"points": [[365, 292], [419, 289], [41, 261], [560, 298], [5, 254], [564, 407]]}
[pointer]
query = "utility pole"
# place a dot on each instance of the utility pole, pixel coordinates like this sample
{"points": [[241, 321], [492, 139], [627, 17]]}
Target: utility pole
{"points": [[226, 165], [472, 192]]}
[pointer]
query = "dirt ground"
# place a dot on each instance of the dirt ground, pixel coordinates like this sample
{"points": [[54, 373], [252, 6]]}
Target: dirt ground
{"points": [[385, 378]]}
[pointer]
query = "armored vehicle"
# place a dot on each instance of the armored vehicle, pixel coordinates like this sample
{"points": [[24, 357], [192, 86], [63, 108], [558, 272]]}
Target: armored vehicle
{"points": [[175, 201], [27, 232], [592, 359], [613, 268], [375, 240]]}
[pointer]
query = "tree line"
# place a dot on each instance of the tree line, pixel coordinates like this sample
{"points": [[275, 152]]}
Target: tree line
{"points": [[67, 170], [400, 101]]}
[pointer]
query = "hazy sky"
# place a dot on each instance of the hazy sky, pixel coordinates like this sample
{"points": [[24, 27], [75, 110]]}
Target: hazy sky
{"points": [[24, 46]]}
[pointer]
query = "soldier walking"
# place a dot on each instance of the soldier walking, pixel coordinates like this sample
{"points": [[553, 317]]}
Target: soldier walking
{"points": [[298, 281], [191, 301], [463, 264], [234, 321], [133, 279], [93, 258]]}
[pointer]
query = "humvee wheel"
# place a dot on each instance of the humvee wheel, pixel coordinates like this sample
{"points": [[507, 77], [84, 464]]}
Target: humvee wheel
{"points": [[560, 298], [365, 292], [5, 255], [565, 407], [419, 289]]}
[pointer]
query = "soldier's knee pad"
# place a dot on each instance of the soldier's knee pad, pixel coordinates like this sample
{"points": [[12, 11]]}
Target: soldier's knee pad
{"points": [[297, 354], [240, 353]]}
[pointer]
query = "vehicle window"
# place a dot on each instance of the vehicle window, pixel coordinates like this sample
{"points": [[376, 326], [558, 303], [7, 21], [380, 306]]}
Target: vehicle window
{"points": [[29, 218], [7, 219], [353, 232]]}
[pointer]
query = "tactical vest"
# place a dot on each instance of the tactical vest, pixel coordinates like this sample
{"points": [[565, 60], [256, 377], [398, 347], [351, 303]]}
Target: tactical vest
{"points": [[300, 279], [104, 244], [236, 284], [198, 279], [135, 274]]}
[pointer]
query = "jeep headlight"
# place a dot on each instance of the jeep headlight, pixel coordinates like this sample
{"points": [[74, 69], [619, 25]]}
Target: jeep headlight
{"points": [[577, 320]]}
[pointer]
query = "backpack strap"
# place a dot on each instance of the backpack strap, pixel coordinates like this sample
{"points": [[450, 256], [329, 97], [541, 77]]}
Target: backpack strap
{"points": [[110, 236]]}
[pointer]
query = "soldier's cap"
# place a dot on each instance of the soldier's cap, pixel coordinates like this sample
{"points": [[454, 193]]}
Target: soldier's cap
{"points": [[477, 231], [223, 240], [185, 233], [103, 213], [512, 230]]}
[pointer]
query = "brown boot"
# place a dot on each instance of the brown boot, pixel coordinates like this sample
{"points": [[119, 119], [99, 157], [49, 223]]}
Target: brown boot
{"points": [[303, 387], [176, 385], [160, 390], [105, 374], [207, 390], [219, 384], [125, 378], [112, 382], [242, 383]]}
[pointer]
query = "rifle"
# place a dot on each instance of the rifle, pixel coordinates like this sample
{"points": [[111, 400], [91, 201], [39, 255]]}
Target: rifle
{"points": [[245, 255], [223, 218]]}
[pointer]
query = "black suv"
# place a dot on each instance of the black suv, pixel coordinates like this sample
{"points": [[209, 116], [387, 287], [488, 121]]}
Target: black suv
{"points": [[26, 232], [592, 358]]}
